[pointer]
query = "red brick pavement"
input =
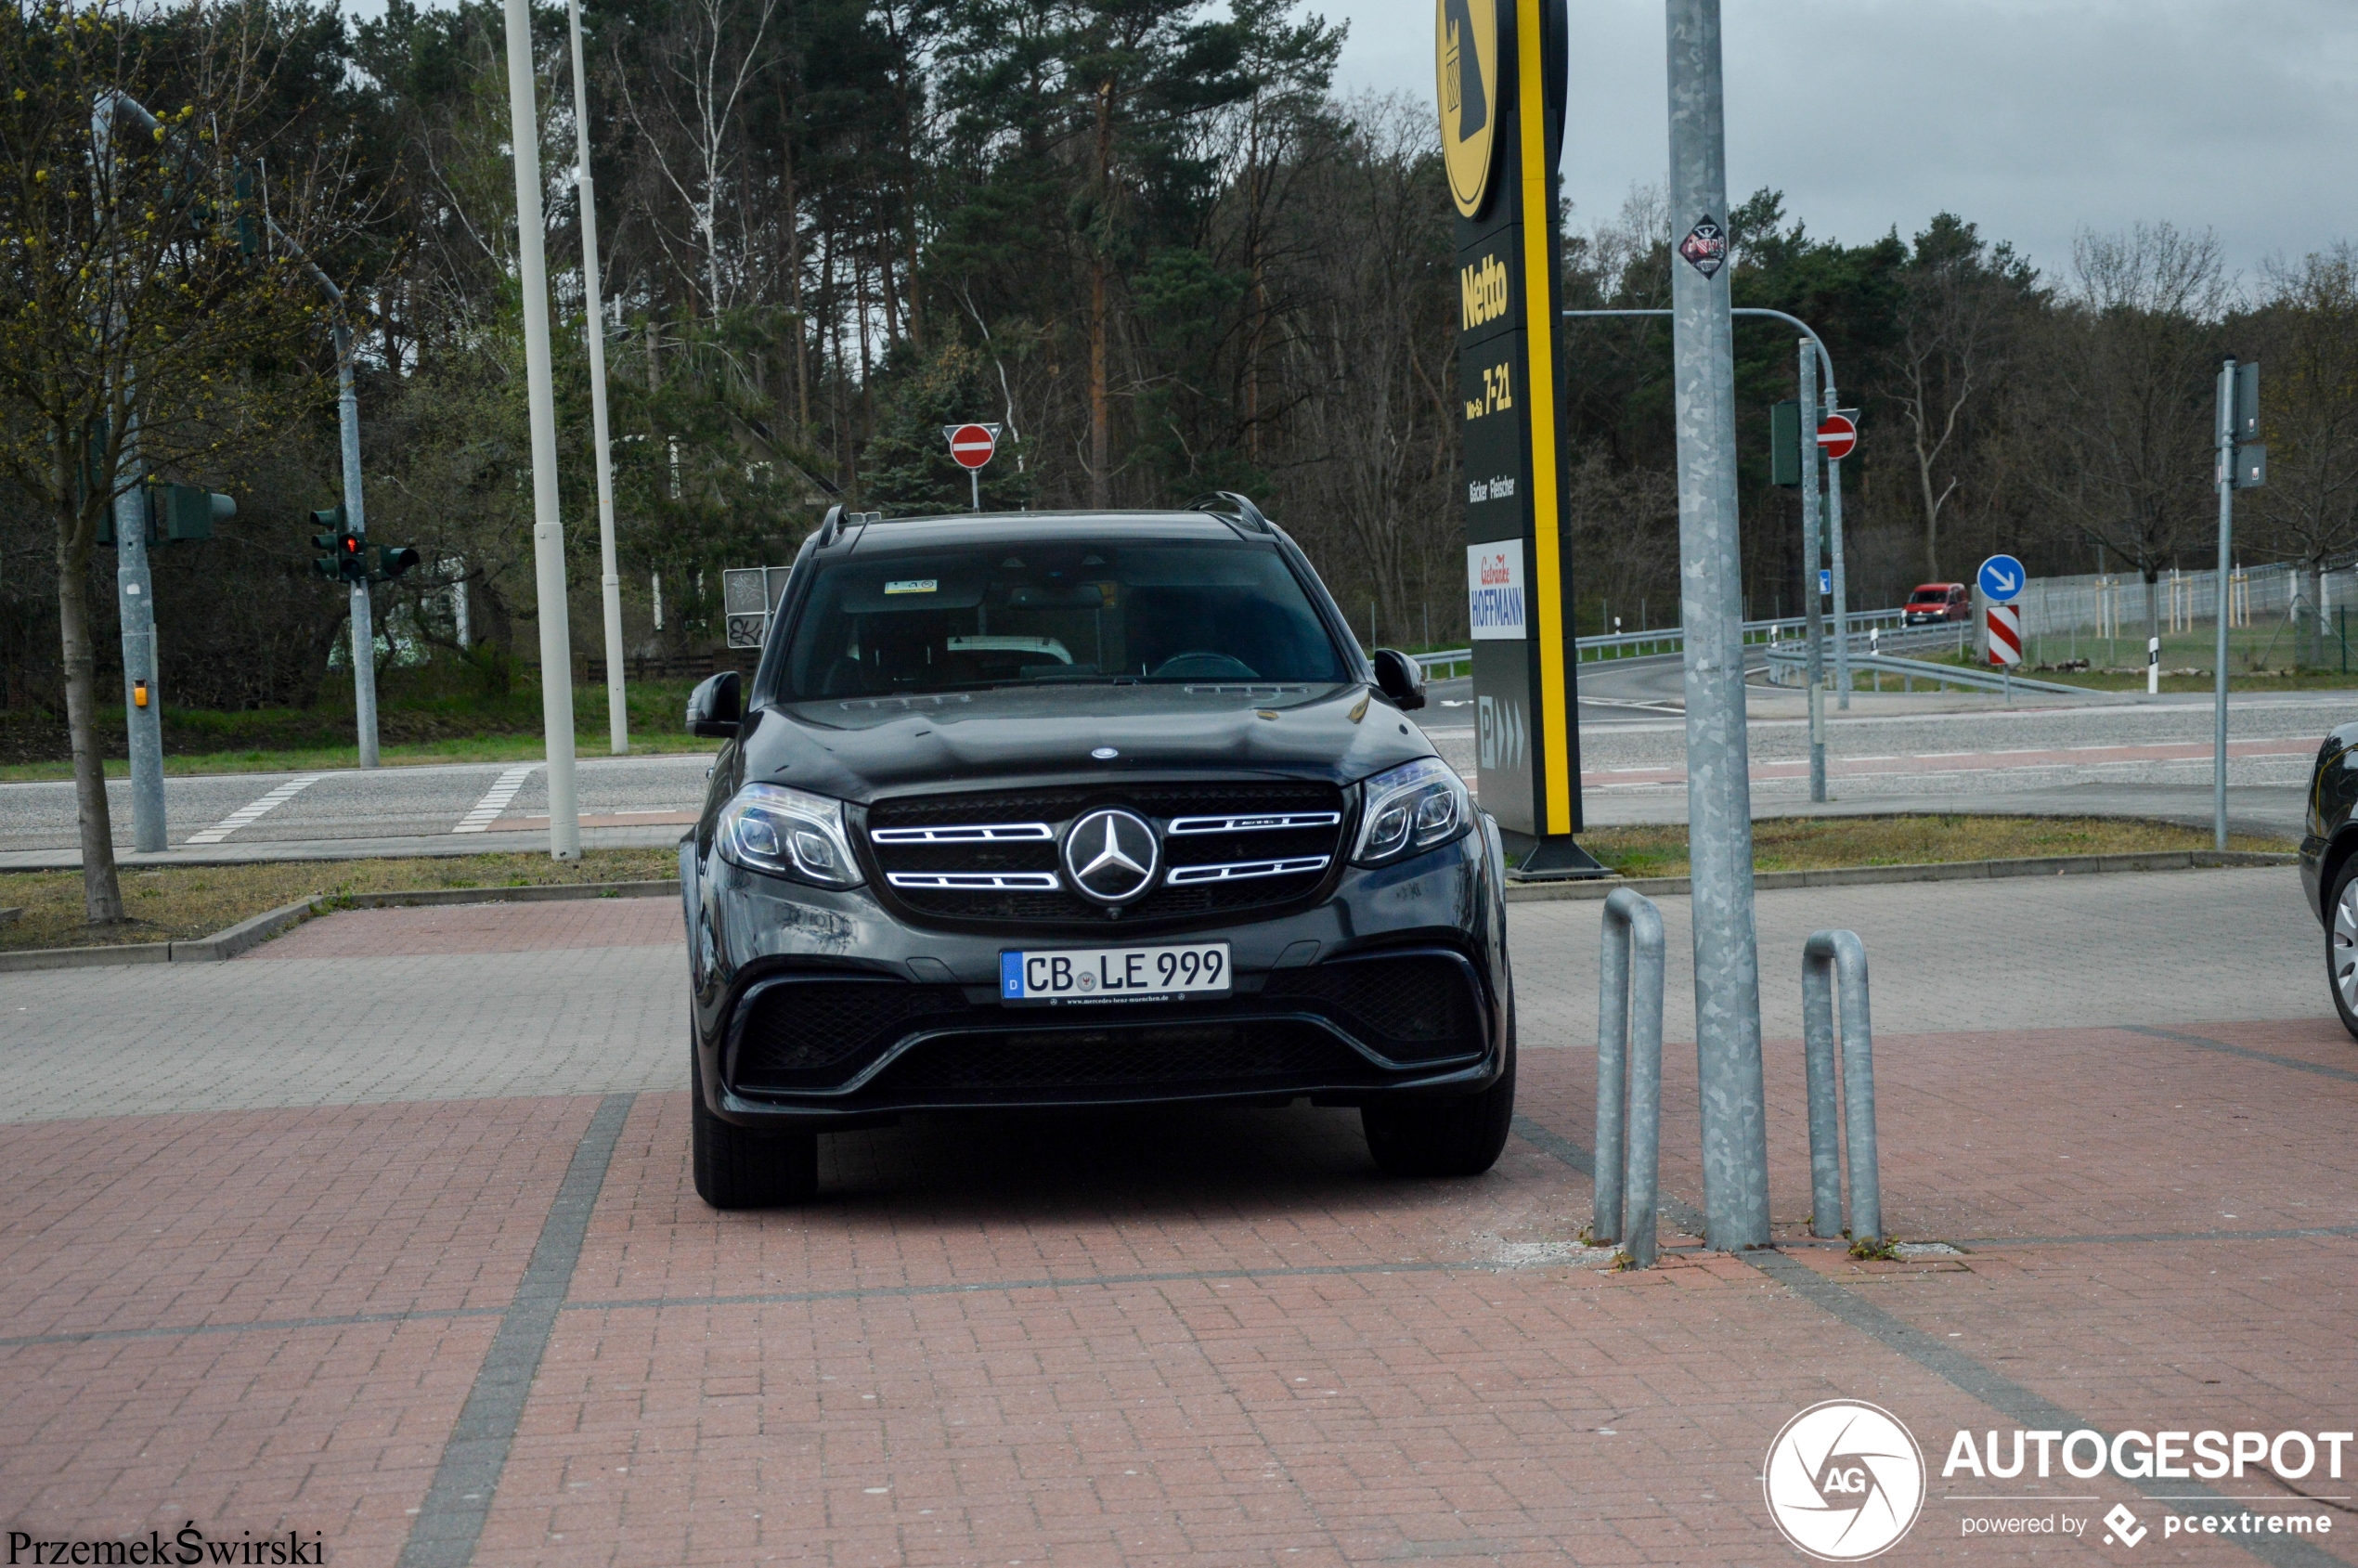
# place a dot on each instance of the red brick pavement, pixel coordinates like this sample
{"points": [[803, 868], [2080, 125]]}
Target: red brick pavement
{"points": [[953, 1358], [430, 930]]}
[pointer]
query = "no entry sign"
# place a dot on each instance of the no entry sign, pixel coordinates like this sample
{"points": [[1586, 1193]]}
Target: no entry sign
{"points": [[971, 444], [1837, 435]]}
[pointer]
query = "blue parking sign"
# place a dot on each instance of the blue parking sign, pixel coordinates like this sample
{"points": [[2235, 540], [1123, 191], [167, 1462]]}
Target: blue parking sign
{"points": [[2001, 580]]}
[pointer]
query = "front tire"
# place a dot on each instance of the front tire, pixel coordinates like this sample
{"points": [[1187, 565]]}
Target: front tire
{"points": [[1459, 1137], [2341, 945], [739, 1168]]}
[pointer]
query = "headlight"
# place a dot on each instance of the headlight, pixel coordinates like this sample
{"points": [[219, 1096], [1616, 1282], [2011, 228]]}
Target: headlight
{"points": [[769, 828], [1410, 810]]}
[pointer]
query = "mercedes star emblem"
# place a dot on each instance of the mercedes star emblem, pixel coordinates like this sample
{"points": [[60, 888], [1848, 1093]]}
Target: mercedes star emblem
{"points": [[1111, 856]]}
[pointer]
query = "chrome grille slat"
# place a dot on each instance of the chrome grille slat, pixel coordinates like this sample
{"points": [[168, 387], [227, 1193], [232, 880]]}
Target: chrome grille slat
{"points": [[1265, 822], [1242, 870], [977, 881], [966, 833]]}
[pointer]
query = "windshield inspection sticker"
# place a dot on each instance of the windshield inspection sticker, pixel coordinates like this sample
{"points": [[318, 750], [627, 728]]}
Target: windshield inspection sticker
{"points": [[914, 585]]}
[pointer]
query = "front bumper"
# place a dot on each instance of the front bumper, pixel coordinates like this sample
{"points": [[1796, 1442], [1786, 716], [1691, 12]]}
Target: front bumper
{"points": [[818, 1008]]}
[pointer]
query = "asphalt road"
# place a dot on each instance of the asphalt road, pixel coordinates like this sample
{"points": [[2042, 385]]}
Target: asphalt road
{"points": [[2104, 754]]}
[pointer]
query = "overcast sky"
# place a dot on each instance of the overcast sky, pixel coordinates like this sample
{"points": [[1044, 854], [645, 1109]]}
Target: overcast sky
{"points": [[2029, 119]]}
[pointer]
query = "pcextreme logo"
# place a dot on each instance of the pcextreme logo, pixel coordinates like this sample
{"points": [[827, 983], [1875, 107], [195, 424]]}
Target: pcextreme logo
{"points": [[1465, 61], [1844, 1481]]}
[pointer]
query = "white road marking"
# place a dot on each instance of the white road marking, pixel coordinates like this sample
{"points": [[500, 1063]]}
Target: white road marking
{"points": [[495, 799], [255, 809]]}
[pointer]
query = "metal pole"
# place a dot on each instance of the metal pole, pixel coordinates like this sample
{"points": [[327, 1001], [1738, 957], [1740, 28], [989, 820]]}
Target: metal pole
{"points": [[594, 329], [975, 474], [549, 529], [1842, 586], [1817, 611], [136, 593], [1735, 1144], [364, 631], [135, 585], [2219, 660]]}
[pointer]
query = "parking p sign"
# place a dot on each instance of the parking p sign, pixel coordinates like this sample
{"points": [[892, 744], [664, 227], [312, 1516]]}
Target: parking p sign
{"points": [[2001, 580]]}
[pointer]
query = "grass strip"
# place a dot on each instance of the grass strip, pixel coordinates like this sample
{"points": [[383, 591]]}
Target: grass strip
{"points": [[180, 904], [1828, 843]]}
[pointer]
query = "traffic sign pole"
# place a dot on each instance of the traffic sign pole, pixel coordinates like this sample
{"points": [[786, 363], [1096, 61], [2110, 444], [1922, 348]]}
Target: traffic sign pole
{"points": [[2226, 455], [1811, 597], [1833, 542]]}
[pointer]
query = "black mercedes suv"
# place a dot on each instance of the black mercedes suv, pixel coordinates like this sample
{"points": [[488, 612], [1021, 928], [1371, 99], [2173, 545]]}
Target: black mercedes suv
{"points": [[1052, 808]]}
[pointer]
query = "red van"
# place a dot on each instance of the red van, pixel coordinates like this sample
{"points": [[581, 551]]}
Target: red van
{"points": [[1939, 602]]}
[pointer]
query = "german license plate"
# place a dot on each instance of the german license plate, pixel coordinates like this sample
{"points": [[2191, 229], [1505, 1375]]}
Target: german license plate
{"points": [[1115, 974]]}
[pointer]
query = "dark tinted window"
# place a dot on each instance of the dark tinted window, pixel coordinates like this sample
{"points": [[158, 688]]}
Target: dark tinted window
{"points": [[1045, 612]]}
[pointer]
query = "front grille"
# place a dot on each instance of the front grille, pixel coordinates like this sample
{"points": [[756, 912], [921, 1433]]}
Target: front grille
{"points": [[1224, 1056], [1411, 1007], [1228, 846]]}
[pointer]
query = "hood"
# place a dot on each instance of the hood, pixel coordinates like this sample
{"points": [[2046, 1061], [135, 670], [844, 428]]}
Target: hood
{"points": [[861, 748]]}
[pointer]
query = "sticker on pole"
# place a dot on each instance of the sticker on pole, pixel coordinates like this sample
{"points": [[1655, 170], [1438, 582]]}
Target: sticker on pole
{"points": [[1705, 246], [2001, 580], [1837, 435], [971, 444], [2005, 634]]}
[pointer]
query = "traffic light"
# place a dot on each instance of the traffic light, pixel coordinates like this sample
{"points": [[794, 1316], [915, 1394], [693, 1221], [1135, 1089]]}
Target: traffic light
{"points": [[342, 554]]}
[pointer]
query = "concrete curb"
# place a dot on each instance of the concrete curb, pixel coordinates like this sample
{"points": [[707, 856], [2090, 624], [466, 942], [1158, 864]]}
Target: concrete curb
{"points": [[1946, 870], [247, 934]]}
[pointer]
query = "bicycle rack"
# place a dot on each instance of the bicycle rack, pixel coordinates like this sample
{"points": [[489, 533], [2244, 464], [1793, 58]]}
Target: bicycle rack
{"points": [[1827, 959], [1629, 1076]]}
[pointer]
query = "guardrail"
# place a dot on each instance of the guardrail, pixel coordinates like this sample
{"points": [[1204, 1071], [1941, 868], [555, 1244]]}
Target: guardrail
{"points": [[1673, 640], [1789, 667]]}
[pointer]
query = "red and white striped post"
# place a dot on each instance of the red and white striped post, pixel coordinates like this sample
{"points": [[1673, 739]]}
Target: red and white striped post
{"points": [[2005, 641]]}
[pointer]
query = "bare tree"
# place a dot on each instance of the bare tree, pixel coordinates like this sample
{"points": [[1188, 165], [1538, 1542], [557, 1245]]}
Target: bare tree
{"points": [[698, 81], [2123, 425], [137, 291], [2307, 327], [1956, 319]]}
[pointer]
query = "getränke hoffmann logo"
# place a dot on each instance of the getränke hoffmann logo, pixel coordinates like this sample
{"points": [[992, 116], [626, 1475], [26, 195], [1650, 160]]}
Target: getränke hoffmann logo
{"points": [[1845, 1480]]}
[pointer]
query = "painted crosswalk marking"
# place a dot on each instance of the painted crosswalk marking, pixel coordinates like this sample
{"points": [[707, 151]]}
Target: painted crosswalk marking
{"points": [[255, 809], [495, 799]]}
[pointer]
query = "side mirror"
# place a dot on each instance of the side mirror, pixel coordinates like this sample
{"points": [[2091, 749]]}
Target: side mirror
{"points": [[1400, 678], [716, 706]]}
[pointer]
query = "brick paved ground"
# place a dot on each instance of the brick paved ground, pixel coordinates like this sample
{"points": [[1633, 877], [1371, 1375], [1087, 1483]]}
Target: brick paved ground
{"points": [[1152, 1337]]}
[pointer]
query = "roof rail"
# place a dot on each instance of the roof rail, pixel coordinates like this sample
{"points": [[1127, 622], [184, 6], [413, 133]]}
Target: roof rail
{"points": [[1229, 501], [838, 522]]}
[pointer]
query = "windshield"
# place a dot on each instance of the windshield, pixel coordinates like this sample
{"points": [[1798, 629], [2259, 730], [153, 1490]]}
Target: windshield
{"points": [[1931, 596], [1042, 613]]}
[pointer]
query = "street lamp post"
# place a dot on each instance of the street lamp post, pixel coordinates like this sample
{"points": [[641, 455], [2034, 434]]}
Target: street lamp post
{"points": [[594, 326], [548, 529]]}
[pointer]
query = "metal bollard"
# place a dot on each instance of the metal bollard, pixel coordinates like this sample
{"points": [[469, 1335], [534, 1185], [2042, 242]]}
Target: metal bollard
{"points": [[1629, 1076], [1826, 958]]}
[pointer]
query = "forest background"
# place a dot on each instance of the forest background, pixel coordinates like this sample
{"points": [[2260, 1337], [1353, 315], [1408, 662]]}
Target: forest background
{"points": [[1146, 238]]}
